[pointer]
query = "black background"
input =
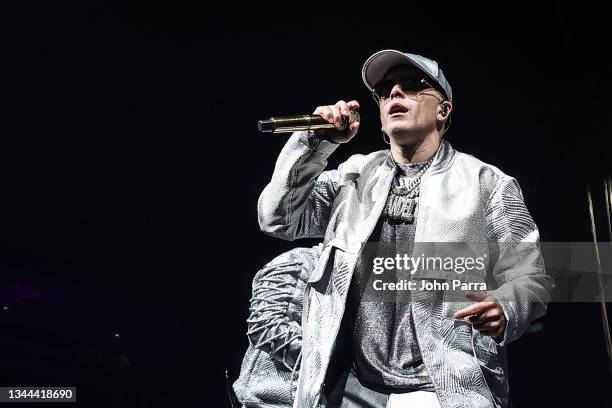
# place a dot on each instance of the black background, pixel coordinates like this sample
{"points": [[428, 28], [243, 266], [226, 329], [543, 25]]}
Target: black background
{"points": [[131, 167]]}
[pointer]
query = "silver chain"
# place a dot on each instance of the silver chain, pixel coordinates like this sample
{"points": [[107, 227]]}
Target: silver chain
{"points": [[411, 187]]}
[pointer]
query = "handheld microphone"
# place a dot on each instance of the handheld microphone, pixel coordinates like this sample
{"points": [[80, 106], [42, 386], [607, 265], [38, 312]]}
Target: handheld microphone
{"points": [[285, 124]]}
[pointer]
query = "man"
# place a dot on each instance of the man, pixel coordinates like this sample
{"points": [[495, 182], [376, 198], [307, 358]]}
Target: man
{"points": [[429, 351]]}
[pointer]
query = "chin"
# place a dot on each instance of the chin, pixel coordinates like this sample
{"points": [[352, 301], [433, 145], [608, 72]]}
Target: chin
{"points": [[404, 137]]}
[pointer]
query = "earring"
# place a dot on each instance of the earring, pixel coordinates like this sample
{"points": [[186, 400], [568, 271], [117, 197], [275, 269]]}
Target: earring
{"points": [[383, 136]]}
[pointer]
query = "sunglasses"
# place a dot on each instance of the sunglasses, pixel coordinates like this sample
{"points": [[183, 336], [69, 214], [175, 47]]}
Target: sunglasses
{"points": [[412, 87]]}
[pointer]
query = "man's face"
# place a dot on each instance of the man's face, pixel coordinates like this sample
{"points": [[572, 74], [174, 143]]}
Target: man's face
{"points": [[406, 115]]}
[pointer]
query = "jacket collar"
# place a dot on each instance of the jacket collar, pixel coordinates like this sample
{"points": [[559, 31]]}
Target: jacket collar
{"points": [[442, 158]]}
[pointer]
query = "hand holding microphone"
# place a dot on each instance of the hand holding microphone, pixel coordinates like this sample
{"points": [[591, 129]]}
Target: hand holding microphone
{"points": [[334, 114], [337, 123]]}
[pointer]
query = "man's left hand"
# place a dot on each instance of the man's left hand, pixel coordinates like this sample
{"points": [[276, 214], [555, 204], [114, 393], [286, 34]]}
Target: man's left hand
{"points": [[487, 315]]}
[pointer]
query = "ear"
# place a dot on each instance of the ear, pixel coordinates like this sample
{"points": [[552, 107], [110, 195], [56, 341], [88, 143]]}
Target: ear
{"points": [[444, 110]]}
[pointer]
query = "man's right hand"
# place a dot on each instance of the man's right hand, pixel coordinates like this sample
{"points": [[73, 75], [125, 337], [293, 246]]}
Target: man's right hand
{"points": [[333, 114]]}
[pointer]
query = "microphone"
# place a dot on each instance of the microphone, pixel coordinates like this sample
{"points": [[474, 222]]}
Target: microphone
{"points": [[285, 124]]}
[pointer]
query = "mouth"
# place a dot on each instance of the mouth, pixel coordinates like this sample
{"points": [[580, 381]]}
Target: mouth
{"points": [[397, 108]]}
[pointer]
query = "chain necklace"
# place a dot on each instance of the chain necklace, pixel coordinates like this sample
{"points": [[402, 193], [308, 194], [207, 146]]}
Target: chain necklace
{"points": [[403, 199]]}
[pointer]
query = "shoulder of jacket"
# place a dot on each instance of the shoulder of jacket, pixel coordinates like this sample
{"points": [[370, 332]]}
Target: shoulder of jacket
{"points": [[361, 160], [491, 178], [486, 171]]}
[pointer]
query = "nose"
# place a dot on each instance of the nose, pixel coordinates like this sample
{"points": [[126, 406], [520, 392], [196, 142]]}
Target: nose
{"points": [[396, 91]]}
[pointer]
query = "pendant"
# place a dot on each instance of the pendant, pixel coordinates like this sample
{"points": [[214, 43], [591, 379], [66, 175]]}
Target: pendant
{"points": [[401, 208], [406, 191]]}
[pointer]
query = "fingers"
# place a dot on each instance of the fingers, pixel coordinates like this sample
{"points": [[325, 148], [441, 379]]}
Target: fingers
{"points": [[484, 302], [495, 325], [326, 112], [353, 105], [475, 296], [494, 328], [334, 113], [491, 322], [490, 315], [337, 119], [475, 309], [343, 107], [331, 113]]}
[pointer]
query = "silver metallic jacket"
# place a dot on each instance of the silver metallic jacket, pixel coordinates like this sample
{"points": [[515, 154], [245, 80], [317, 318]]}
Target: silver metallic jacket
{"points": [[462, 199]]}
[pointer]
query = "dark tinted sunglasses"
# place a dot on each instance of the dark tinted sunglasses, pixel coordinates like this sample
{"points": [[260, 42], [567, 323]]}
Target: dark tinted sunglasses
{"points": [[410, 86]]}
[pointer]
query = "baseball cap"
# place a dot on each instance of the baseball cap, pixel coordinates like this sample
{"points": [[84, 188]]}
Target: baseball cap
{"points": [[375, 68]]}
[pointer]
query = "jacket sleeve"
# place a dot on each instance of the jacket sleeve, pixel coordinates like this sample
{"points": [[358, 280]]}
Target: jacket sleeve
{"points": [[524, 288], [297, 202], [274, 324]]}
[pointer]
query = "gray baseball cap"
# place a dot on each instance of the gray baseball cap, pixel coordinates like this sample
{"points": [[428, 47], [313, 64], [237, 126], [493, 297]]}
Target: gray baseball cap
{"points": [[381, 62]]}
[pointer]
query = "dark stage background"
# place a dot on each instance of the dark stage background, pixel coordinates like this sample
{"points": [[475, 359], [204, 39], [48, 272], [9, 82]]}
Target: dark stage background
{"points": [[131, 168]]}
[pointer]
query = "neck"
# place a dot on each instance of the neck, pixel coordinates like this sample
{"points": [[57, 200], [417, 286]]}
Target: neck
{"points": [[420, 151]]}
